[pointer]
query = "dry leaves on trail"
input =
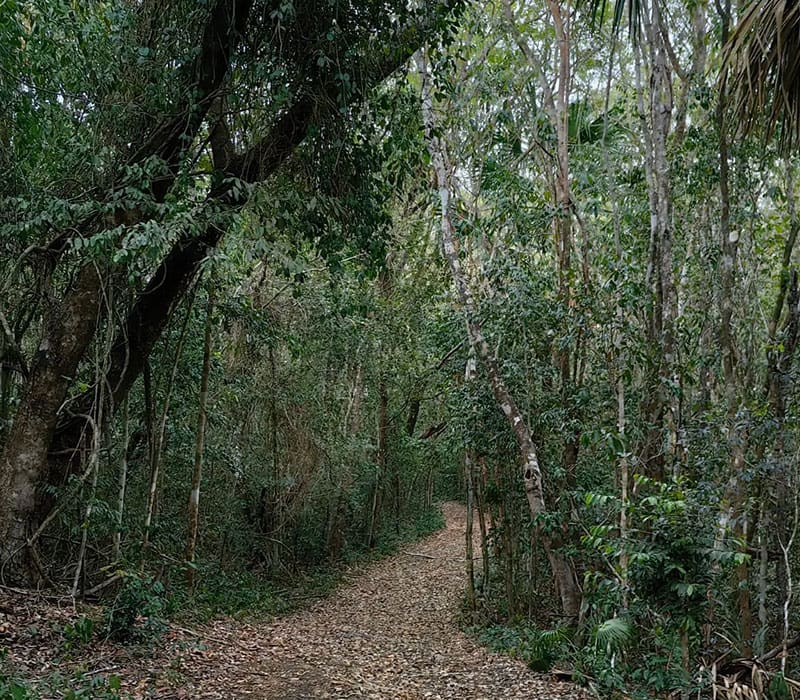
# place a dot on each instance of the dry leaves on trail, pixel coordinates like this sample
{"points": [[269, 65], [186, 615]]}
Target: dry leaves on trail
{"points": [[389, 633]]}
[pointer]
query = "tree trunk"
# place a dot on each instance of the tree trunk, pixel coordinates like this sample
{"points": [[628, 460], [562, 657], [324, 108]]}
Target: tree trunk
{"points": [[661, 119], [383, 445], [79, 579], [123, 481], [556, 105], [480, 502], [735, 499], [565, 578], [658, 446], [69, 329], [159, 437], [469, 473], [202, 417]]}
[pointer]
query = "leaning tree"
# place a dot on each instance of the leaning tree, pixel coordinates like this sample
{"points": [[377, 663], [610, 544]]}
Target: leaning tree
{"points": [[134, 164]]}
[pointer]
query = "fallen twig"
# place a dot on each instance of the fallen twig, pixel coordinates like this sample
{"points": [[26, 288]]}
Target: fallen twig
{"points": [[790, 644], [101, 670], [418, 554], [100, 586]]}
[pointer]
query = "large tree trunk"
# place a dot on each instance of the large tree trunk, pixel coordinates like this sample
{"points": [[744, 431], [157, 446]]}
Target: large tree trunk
{"points": [[563, 573], [72, 323], [69, 330]]}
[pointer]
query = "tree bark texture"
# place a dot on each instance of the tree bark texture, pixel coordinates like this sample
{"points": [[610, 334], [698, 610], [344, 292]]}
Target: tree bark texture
{"points": [[68, 331]]}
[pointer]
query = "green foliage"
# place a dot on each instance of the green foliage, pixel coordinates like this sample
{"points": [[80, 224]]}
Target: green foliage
{"points": [[667, 553], [94, 688], [79, 687], [138, 612], [242, 593], [11, 690], [778, 688], [250, 594], [335, 306], [539, 649], [421, 524], [78, 633], [612, 635]]}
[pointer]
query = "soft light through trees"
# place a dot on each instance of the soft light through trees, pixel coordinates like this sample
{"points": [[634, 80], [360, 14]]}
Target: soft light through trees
{"points": [[602, 228]]}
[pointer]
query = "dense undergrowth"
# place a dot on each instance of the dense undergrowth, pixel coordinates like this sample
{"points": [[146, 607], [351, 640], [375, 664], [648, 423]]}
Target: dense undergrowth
{"points": [[250, 595], [141, 611]]}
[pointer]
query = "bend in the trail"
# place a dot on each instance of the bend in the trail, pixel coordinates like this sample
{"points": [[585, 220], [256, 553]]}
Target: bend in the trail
{"points": [[389, 633]]}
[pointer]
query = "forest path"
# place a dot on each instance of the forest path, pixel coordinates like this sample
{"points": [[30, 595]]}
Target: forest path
{"points": [[389, 633]]}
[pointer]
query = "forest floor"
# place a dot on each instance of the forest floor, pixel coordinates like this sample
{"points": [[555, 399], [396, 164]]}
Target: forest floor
{"points": [[389, 632]]}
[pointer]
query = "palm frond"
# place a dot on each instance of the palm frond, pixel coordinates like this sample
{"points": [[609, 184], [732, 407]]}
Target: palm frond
{"points": [[613, 634], [762, 69], [624, 12]]}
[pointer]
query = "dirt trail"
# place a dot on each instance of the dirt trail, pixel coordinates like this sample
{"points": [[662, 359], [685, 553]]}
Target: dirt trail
{"points": [[389, 633]]}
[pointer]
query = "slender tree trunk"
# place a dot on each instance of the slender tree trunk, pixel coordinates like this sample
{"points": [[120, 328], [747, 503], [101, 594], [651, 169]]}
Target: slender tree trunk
{"points": [[202, 418], [735, 501], [469, 476], [381, 461], [78, 581], [413, 414], [374, 514], [565, 578], [160, 436], [469, 481], [122, 483], [764, 527], [94, 462], [649, 452], [352, 417], [659, 445], [568, 356], [620, 359], [480, 501], [556, 105], [6, 392], [661, 115]]}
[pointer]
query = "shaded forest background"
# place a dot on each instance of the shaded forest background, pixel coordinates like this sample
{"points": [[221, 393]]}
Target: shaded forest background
{"points": [[277, 277]]}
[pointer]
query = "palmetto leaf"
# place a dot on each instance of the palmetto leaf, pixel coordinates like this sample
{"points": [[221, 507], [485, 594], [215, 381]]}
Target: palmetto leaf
{"points": [[762, 68], [613, 634]]}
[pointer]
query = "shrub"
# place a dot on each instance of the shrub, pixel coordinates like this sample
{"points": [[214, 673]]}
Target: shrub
{"points": [[138, 612]]}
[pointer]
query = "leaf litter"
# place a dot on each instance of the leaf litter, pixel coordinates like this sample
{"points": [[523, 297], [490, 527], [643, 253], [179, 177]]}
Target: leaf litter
{"points": [[389, 632]]}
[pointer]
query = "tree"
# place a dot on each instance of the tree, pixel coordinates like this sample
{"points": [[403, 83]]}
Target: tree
{"points": [[563, 573], [762, 69], [204, 87]]}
